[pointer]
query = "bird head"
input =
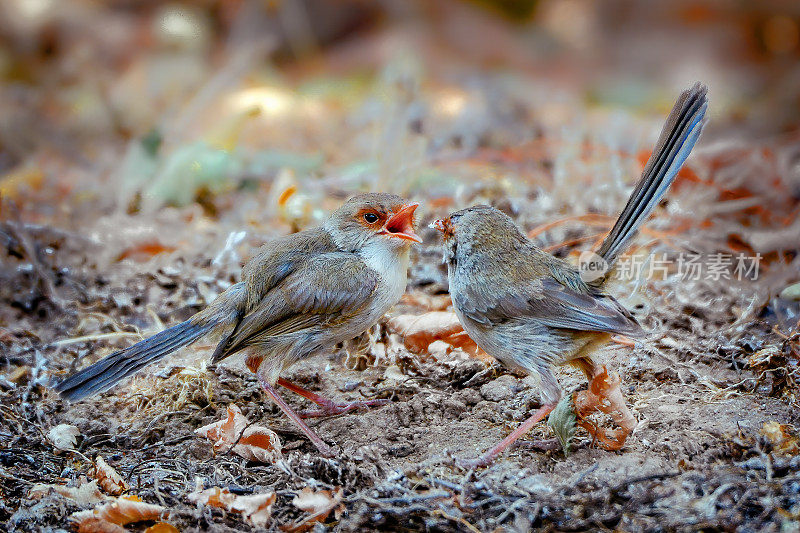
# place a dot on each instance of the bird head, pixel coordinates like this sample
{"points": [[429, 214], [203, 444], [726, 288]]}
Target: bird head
{"points": [[379, 219], [479, 229]]}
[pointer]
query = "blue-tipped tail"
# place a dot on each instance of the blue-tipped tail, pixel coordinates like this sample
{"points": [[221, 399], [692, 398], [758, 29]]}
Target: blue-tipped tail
{"points": [[107, 372], [677, 139]]}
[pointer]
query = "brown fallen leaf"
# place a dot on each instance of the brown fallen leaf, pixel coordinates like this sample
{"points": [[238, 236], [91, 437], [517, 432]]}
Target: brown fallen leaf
{"points": [[420, 331], [108, 478], [144, 251], [162, 527], [96, 525], [427, 302], [605, 395], [319, 503], [85, 493], [255, 508], [234, 433], [110, 516], [782, 437]]}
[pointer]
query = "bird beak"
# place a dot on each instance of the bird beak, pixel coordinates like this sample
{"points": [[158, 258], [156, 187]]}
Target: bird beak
{"points": [[445, 225], [440, 225], [401, 223]]}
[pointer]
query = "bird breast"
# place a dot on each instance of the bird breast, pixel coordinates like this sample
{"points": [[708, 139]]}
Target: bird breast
{"points": [[392, 268]]}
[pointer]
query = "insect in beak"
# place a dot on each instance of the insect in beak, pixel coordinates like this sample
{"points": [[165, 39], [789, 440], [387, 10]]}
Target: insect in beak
{"points": [[444, 225]]}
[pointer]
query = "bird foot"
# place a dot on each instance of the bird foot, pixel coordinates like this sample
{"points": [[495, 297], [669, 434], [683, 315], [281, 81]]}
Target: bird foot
{"points": [[473, 464], [334, 408]]}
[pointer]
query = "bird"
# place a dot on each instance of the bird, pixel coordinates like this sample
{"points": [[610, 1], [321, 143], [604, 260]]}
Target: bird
{"points": [[298, 295], [533, 311]]}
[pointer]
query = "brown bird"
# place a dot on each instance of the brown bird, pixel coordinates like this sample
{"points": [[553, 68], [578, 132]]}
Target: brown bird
{"points": [[532, 311], [300, 294]]}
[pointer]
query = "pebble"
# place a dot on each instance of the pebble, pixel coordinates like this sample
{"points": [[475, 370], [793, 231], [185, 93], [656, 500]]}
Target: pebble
{"points": [[468, 396], [792, 292], [502, 388]]}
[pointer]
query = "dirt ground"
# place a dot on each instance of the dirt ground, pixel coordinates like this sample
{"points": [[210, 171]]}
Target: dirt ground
{"points": [[698, 459]]}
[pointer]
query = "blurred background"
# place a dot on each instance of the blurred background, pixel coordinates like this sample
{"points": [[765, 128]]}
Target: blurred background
{"points": [[157, 128], [271, 84]]}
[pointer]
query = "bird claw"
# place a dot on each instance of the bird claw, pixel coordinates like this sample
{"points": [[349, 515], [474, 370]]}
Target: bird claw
{"points": [[473, 464], [335, 409], [327, 451]]}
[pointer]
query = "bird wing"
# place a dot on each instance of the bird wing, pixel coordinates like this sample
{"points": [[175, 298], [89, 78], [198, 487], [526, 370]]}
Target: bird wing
{"points": [[324, 289], [548, 302]]}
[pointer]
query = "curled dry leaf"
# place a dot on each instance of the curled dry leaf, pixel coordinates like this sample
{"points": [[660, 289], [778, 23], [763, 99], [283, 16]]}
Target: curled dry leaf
{"points": [[86, 493], [255, 508], [782, 437], [319, 503], [420, 331], [605, 395], [162, 527], [109, 517], [63, 437], [108, 478], [254, 443]]}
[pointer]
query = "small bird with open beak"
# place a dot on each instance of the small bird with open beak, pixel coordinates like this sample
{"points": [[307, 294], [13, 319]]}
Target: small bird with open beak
{"points": [[533, 311], [300, 294]]}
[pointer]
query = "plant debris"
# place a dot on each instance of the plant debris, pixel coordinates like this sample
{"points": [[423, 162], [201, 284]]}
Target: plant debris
{"points": [[108, 478], [110, 516], [235, 434], [255, 508]]}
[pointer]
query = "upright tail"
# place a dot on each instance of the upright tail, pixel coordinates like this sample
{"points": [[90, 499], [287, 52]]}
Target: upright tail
{"points": [[678, 137], [105, 373]]}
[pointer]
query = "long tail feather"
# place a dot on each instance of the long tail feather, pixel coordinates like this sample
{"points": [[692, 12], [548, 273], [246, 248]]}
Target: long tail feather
{"points": [[678, 137], [105, 373]]}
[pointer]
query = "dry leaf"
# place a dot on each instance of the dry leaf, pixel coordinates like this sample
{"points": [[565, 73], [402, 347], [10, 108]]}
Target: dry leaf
{"points": [[108, 517], [143, 251], [605, 395], [63, 437], [427, 302], [782, 437], [162, 527], [319, 504], [85, 494], [254, 443], [96, 525], [108, 478], [420, 331], [255, 508]]}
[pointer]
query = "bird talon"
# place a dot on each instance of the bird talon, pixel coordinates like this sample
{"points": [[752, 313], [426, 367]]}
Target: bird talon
{"points": [[472, 464]]}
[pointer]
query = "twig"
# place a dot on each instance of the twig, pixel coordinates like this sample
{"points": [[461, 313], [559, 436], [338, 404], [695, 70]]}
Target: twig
{"points": [[97, 337]]}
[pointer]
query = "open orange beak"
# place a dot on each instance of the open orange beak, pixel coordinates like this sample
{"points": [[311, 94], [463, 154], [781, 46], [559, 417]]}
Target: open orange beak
{"points": [[401, 223]]}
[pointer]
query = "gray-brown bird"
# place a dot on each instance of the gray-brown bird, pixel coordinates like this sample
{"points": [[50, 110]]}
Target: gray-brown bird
{"points": [[300, 294], [533, 311]]}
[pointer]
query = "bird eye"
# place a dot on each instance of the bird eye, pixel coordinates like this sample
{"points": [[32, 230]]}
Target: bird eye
{"points": [[371, 218]]}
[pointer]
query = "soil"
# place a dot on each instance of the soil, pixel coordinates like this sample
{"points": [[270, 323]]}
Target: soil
{"points": [[698, 459]]}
